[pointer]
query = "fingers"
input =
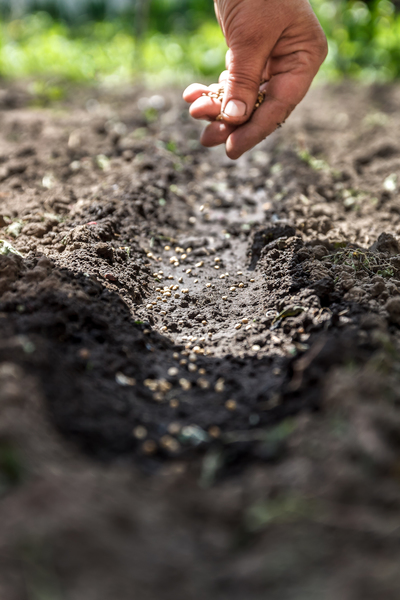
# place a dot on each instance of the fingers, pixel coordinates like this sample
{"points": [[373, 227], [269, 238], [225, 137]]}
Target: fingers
{"points": [[194, 91], [205, 108], [216, 133], [283, 93]]}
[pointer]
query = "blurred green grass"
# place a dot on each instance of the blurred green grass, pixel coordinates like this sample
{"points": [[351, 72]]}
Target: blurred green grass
{"points": [[364, 43]]}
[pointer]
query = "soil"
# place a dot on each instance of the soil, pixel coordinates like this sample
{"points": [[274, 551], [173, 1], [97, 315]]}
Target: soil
{"points": [[199, 358]]}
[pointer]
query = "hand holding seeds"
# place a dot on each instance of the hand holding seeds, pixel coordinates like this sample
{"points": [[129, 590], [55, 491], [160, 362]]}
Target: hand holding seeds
{"points": [[276, 42]]}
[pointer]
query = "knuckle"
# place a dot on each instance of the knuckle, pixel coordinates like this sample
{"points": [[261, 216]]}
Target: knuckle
{"points": [[321, 46]]}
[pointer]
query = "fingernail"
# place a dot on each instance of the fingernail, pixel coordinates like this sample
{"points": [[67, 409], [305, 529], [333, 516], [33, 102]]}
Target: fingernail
{"points": [[235, 108]]}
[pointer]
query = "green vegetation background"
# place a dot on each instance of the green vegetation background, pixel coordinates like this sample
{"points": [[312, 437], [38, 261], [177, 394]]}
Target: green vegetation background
{"points": [[181, 42]]}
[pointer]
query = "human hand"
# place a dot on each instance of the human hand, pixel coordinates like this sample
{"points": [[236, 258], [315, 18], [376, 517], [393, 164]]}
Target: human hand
{"points": [[278, 42]]}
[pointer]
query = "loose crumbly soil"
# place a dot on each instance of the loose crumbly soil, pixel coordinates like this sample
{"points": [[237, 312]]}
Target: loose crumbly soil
{"points": [[199, 358]]}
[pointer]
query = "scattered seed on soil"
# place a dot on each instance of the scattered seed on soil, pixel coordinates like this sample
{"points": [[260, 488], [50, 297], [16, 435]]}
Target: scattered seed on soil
{"points": [[214, 431], [203, 383], [149, 447], [231, 404], [220, 385], [172, 371], [169, 443], [256, 348], [185, 384], [140, 432], [238, 326]]}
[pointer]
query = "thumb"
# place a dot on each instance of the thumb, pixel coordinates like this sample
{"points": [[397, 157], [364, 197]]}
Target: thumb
{"points": [[242, 85]]}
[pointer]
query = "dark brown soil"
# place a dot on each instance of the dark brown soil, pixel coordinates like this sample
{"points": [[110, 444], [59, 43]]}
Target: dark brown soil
{"points": [[199, 358]]}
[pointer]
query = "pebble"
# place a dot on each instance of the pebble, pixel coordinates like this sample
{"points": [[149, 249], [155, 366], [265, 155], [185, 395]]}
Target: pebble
{"points": [[125, 381]]}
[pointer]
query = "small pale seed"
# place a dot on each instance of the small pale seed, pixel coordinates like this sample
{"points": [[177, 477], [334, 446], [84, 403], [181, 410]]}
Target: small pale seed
{"points": [[169, 443], [149, 447], [231, 404], [185, 384], [140, 432], [174, 428], [214, 431], [238, 326], [220, 385], [173, 371]]}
